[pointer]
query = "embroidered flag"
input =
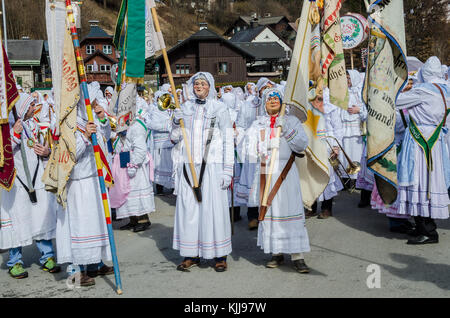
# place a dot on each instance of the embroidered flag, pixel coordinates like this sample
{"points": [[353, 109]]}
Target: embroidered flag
{"points": [[386, 75], [8, 97], [63, 156], [333, 61], [305, 69]]}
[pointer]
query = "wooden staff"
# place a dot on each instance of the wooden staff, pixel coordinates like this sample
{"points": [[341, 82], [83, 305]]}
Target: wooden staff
{"points": [[83, 84], [177, 105], [271, 167]]}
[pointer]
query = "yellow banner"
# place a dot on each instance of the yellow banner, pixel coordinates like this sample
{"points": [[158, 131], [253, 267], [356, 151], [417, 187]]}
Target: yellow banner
{"points": [[63, 157]]}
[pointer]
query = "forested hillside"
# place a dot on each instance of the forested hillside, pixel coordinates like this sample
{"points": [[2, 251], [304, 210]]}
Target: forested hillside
{"points": [[427, 22]]}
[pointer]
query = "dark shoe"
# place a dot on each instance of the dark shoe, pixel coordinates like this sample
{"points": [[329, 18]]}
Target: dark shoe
{"points": [[253, 224], [102, 271], [220, 266], [309, 214], [85, 280], [188, 263], [422, 239], [325, 214], [131, 224], [276, 261], [141, 227], [17, 271], [50, 266], [300, 266]]}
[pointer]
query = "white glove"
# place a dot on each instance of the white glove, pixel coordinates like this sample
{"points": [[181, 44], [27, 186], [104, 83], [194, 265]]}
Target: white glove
{"points": [[226, 181], [131, 172], [274, 143], [177, 115]]}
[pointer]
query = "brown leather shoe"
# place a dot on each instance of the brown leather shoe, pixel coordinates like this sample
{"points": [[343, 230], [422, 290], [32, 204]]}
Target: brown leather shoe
{"points": [[253, 224], [309, 214], [325, 214], [220, 266], [188, 263], [84, 280]]}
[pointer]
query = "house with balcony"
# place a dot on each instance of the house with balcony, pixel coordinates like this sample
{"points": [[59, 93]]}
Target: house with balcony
{"points": [[99, 54]]}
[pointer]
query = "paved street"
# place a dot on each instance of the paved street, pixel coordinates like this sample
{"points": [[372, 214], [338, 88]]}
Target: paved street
{"points": [[342, 249]]}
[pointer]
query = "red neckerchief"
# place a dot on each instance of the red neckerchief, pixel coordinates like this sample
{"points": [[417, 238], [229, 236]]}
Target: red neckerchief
{"points": [[272, 125]]}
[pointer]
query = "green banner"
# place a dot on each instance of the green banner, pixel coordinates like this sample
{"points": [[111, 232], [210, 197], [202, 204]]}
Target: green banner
{"points": [[135, 39]]}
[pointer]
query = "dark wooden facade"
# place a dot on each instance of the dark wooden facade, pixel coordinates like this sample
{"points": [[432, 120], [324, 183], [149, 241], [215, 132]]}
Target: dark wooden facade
{"points": [[207, 52]]}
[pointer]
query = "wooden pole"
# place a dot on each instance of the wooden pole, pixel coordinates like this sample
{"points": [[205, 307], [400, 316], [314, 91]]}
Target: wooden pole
{"points": [[272, 161], [177, 103], [351, 58], [83, 84]]}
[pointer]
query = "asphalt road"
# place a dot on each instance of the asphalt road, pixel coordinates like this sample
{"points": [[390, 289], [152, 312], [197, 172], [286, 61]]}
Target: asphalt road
{"points": [[342, 249]]}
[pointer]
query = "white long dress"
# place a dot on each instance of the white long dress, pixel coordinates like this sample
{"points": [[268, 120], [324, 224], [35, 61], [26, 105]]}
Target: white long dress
{"points": [[203, 229], [160, 124], [426, 107], [352, 139], [333, 125], [248, 113], [140, 199], [283, 228], [23, 221], [81, 232]]}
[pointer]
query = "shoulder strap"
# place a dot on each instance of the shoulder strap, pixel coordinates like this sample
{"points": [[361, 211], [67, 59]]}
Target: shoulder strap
{"points": [[445, 101], [277, 186]]}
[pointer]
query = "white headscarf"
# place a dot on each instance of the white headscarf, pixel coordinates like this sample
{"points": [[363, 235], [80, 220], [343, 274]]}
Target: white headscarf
{"points": [[247, 93], [237, 91], [268, 93], [355, 78], [207, 77], [263, 82], [230, 100], [431, 72], [110, 90], [165, 88], [23, 104]]}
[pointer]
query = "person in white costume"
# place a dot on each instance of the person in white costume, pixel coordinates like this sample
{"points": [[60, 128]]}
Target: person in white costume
{"points": [[81, 233], [25, 218], [133, 196], [248, 113], [333, 124], [352, 121], [282, 229], [202, 229], [233, 105], [160, 124], [424, 176]]}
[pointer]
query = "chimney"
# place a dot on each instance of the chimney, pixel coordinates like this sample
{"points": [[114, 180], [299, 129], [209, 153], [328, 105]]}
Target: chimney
{"points": [[203, 25]]}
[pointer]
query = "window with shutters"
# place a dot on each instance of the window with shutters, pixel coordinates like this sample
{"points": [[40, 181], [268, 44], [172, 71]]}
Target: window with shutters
{"points": [[105, 68], [107, 49], [223, 68], [90, 49]]}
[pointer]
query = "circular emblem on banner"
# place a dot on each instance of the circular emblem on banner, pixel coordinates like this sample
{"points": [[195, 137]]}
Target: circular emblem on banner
{"points": [[354, 30]]}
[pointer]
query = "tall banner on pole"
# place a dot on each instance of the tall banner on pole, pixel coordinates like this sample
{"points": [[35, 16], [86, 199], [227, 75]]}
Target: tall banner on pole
{"points": [[63, 157], [333, 61], [8, 97], [386, 74], [304, 77]]}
